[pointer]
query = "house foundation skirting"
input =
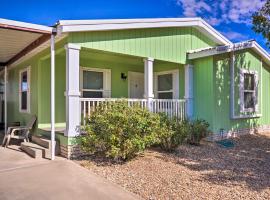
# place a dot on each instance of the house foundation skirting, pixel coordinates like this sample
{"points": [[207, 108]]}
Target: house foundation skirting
{"points": [[239, 132], [71, 151]]}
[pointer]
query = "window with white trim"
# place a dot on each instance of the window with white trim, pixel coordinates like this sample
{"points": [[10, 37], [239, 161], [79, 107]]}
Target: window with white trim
{"points": [[96, 83], [167, 85], [24, 90], [248, 90]]}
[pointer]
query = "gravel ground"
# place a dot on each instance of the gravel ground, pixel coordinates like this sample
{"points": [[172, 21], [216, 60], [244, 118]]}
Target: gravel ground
{"points": [[195, 172]]}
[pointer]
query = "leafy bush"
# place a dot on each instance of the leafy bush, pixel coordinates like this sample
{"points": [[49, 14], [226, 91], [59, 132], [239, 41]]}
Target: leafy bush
{"points": [[198, 131], [173, 132], [120, 131]]}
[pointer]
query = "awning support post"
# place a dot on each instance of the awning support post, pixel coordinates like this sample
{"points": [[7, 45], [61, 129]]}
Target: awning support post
{"points": [[52, 97], [5, 98]]}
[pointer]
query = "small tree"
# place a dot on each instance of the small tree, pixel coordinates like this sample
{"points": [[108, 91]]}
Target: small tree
{"points": [[261, 21]]}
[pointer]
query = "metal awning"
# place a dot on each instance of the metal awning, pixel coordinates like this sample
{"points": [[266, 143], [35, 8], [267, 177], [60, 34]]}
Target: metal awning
{"points": [[19, 38]]}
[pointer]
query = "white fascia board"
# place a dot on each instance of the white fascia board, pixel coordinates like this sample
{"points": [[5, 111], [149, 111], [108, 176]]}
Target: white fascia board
{"points": [[216, 36], [25, 25], [261, 51], [106, 25], [125, 21]]}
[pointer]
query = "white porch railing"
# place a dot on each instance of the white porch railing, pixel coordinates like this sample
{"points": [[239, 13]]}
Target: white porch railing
{"points": [[171, 107]]}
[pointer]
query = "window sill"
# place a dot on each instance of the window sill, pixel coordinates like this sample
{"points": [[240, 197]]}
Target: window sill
{"points": [[25, 111], [247, 116]]}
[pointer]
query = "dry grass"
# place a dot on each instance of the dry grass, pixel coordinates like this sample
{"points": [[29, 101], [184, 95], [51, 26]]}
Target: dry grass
{"points": [[204, 172]]}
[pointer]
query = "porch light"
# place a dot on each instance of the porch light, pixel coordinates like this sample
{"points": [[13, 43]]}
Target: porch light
{"points": [[123, 76]]}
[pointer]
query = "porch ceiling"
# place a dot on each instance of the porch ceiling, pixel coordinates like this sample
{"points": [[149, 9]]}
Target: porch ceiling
{"points": [[18, 38]]}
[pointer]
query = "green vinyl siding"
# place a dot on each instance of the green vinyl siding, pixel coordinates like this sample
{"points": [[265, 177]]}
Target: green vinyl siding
{"points": [[168, 44], [243, 60], [13, 112], [39, 92], [265, 107], [203, 89], [44, 83]]}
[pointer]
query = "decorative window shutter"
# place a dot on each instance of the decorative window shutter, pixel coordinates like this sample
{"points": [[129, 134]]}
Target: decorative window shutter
{"points": [[241, 91]]}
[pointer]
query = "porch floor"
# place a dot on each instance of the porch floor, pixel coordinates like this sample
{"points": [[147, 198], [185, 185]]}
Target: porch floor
{"points": [[57, 129]]}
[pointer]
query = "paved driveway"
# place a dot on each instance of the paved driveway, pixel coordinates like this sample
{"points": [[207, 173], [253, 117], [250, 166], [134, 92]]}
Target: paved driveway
{"points": [[22, 177]]}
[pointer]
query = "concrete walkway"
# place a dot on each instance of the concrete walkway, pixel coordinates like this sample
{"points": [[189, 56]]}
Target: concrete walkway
{"points": [[22, 177]]}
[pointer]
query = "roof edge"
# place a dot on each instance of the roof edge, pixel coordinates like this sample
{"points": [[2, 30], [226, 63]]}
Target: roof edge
{"points": [[65, 26], [11, 24], [250, 44]]}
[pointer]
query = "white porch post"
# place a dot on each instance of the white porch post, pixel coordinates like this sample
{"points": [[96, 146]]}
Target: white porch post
{"points": [[189, 90], [5, 98], [73, 113], [148, 81], [52, 97]]}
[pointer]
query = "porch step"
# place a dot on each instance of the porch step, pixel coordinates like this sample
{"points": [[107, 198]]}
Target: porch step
{"points": [[35, 150], [46, 143]]}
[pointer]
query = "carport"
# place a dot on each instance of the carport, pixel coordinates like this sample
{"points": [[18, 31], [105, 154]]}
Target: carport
{"points": [[18, 40]]}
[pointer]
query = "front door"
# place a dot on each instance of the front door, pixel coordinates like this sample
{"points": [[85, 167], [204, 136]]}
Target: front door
{"points": [[136, 85]]}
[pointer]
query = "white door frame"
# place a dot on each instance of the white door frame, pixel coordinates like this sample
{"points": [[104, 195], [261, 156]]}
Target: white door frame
{"points": [[129, 74]]}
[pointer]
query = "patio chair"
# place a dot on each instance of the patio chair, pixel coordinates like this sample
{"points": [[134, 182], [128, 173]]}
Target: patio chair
{"points": [[19, 132]]}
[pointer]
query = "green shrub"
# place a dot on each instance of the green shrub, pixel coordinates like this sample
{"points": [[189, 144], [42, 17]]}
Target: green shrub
{"points": [[120, 131], [198, 131], [173, 132]]}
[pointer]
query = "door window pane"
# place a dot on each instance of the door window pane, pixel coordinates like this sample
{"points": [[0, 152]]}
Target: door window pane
{"points": [[92, 80], [165, 82]]}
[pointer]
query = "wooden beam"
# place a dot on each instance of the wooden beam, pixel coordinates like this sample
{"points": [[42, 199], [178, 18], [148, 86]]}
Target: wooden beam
{"points": [[29, 48], [24, 29]]}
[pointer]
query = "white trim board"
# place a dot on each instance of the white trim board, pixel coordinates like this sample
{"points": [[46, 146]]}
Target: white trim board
{"points": [[65, 26]]}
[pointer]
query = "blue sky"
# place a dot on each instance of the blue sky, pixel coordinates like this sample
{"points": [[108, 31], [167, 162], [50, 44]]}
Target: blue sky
{"points": [[230, 17]]}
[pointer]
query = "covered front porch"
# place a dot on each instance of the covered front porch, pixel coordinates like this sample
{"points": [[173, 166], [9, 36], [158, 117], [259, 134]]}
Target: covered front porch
{"points": [[94, 77]]}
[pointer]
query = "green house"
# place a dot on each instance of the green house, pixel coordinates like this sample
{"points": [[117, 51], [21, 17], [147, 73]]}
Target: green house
{"points": [[180, 66]]}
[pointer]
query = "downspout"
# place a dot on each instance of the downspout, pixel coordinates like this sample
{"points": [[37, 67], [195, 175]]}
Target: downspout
{"points": [[232, 60]]}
